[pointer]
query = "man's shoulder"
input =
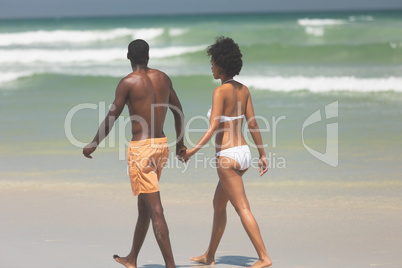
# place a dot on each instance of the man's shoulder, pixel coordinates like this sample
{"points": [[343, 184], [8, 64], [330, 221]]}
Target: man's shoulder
{"points": [[125, 84], [160, 78], [158, 73], [131, 77]]}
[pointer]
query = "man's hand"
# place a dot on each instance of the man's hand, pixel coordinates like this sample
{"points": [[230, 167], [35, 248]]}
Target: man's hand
{"points": [[180, 152], [263, 165], [89, 149]]}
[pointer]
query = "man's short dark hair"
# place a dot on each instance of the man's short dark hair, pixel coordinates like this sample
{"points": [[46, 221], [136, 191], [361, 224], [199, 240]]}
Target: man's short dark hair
{"points": [[138, 51]]}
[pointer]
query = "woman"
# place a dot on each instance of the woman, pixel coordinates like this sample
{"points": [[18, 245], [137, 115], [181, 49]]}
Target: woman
{"points": [[231, 102]]}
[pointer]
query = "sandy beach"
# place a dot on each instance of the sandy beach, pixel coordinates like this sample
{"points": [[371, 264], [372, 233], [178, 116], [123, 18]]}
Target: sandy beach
{"points": [[75, 225]]}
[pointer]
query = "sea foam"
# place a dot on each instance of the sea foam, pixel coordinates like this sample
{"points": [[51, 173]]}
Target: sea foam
{"points": [[26, 56], [323, 84], [319, 22], [315, 27], [77, 37], [11, 76], [275, 83]]}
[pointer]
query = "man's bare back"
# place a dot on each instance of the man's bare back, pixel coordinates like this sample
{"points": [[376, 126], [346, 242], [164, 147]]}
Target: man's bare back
{"points": [[147, 94]]}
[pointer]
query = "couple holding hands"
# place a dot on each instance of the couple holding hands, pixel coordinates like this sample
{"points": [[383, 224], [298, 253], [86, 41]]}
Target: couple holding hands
{"points": [[148, 93]]}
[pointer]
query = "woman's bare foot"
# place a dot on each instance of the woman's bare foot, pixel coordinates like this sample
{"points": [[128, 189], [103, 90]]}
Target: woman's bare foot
{"points": [[125, 261], [262, 263], [203, 259]]}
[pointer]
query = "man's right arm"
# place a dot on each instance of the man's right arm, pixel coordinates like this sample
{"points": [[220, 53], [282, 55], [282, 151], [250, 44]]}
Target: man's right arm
{"points": [[117, 107]]}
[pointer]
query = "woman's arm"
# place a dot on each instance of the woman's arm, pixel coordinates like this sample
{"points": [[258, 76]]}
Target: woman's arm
{"points": [[256, 135], [214, 121]]}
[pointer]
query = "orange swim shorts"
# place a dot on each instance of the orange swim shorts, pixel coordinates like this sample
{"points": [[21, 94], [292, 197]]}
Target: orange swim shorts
{"points": [[146, 159]]}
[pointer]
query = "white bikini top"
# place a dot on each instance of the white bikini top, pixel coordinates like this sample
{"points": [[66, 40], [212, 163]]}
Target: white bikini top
{"points": [[225, 118]]}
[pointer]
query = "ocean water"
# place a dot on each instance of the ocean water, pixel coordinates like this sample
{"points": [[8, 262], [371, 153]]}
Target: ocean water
{"points": [[341, 70]]}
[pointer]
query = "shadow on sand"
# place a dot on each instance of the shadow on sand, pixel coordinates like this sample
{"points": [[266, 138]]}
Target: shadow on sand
{"points": [[223, 260], [236, 260], [178, 266]]}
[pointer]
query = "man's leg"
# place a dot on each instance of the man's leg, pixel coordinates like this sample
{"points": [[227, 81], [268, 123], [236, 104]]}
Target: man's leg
{"points": [[155, 210], [140, 232]]}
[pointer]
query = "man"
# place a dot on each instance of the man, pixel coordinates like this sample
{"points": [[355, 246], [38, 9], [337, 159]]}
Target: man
{"points": [[148, 93]]}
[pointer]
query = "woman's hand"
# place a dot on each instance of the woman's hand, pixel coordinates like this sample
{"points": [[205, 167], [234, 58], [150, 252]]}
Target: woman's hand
{"points": [[263, 165], [189, 153]]}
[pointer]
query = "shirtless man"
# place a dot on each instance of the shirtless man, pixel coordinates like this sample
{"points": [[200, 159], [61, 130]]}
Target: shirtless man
{"points": [[148, 93]]}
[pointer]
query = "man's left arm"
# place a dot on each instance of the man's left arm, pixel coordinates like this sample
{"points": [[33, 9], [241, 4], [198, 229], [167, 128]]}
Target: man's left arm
{"points": [[177, 110], [107, 124]]}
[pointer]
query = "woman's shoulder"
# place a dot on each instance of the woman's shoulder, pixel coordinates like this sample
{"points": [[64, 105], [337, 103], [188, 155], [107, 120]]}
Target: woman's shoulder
{"points": [[227, 89], [222, 89], [245, 88]]}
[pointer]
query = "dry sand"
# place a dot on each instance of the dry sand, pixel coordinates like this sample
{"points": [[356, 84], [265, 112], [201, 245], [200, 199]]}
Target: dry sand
{"points": [[76, 225]]}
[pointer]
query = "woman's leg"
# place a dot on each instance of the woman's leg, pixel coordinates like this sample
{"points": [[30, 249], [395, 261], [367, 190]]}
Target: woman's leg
{"points": [[232, 183], [218, 226]]}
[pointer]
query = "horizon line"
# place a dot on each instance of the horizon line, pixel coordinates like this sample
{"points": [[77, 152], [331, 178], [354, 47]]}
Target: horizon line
{"points": [[184, 14]]}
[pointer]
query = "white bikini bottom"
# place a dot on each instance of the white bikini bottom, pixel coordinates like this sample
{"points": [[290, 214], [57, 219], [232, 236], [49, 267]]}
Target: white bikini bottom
{"points": [[240, 154]]}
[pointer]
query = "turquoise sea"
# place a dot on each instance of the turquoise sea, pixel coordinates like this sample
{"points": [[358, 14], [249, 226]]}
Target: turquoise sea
{"points": [[57, 79]]}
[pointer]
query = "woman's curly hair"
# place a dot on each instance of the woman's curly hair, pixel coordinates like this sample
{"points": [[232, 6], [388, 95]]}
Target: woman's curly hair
{"points": [[226, 55]]}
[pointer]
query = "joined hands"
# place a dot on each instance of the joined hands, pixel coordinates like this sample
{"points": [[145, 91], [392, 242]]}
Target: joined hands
{"points": [[184, 154]]}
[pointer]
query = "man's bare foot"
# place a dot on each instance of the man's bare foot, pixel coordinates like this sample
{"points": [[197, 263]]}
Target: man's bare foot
{"points": [[125, 261], [203, 259], [262, 263]]}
